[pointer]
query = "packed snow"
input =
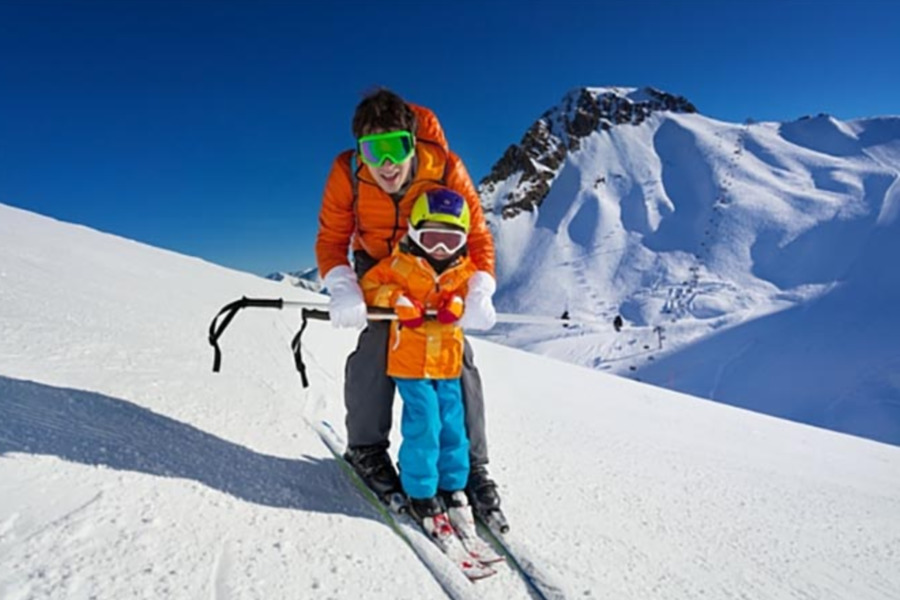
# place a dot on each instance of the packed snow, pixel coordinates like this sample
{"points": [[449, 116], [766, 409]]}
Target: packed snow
{"points": [[129, 470]]}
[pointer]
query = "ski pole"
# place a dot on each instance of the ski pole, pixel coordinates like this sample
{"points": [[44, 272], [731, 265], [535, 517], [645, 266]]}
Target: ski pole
{"points": [[309, 310], [386, 314], [319, 311]]}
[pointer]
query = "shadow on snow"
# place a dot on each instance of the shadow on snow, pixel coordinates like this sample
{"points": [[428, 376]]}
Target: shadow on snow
{"points": [[93, 429]]}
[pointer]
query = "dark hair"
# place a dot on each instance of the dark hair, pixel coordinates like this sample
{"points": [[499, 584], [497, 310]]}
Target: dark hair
{"points": [[383, 109]]}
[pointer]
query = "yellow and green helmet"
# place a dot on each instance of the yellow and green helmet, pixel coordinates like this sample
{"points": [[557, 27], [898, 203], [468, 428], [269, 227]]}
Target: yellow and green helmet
{"points": [[443, 206]]}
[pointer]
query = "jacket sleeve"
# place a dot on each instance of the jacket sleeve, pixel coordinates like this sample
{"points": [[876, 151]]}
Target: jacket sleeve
{"points": [[481, 242], [379, 285], [337, 221]]}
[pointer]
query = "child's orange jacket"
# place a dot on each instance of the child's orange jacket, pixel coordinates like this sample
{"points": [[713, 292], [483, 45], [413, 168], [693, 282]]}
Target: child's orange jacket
{"points": [[434, 350]]}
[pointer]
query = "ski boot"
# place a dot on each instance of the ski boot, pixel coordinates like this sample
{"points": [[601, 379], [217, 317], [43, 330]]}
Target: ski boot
{"points": [[485, 501], [430, 515], [376, 469]]}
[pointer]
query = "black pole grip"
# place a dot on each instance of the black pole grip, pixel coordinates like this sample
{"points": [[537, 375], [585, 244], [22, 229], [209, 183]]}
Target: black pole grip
{"points": [[316, 314], [263, 302]]}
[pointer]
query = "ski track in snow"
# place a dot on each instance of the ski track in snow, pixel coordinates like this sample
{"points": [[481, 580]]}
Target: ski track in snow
{"points": [[222, 564], [63, 521]]}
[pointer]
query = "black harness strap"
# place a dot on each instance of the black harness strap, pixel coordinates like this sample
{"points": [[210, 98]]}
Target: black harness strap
{"points": [[216, 328], [229, 311], [354, 185], [305, 315]]}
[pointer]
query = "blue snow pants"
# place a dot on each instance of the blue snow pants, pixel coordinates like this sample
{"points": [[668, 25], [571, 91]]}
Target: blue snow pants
{"points": [[434, 453]]}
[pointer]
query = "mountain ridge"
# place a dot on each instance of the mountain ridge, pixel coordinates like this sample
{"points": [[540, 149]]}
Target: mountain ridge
{"points": [[687, 227]]}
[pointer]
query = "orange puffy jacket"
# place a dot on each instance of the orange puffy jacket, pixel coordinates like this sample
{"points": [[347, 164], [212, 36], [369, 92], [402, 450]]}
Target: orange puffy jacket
{"points": [[375, 223], [434, 350]]}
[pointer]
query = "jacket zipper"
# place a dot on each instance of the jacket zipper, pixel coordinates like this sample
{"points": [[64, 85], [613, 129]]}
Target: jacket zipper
{"points": [[390, 241]]}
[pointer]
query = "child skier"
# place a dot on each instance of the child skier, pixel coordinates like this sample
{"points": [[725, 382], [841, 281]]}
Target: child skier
{"points": [[428, 271]]}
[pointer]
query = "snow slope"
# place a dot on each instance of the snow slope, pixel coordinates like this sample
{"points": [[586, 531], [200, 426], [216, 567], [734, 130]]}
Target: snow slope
{"points": [[752, 263], [128, 469]]}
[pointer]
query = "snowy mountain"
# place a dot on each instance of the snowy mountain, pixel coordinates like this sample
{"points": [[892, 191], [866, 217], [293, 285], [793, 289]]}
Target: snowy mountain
{"points": [[752, 263], [129, 470]]}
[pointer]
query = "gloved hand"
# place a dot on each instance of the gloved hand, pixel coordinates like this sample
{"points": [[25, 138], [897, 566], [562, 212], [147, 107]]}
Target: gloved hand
{"points": [[347, 307], [480, 313], [410, 311], [450, 310]]}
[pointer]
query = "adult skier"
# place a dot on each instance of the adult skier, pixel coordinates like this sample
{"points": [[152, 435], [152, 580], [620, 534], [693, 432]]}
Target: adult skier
{"points": [[400, 153]]}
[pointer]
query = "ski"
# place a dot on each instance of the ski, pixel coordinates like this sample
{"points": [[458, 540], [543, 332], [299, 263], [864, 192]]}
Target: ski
{"points": [[541, 584], [463, 523], [452, 566], [442, 533]]}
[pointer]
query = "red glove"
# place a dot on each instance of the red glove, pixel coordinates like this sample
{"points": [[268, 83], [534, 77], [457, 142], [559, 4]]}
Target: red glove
{"points": [[410, 311], [451, 310]]}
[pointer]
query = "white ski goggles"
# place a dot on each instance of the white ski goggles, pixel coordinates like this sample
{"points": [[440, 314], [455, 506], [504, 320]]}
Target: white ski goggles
{"points": [[451, 240]]}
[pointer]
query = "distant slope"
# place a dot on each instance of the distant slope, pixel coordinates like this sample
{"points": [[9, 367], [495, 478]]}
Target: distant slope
{"points": [[307, 279]]}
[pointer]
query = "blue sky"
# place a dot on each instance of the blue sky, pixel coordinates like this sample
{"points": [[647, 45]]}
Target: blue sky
{"points": [[209, 127]]}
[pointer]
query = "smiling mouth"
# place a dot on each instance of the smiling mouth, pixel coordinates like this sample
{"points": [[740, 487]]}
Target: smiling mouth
{"points": [[391, 178]]}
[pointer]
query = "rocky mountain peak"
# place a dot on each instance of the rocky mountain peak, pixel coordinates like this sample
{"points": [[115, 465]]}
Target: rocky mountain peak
{"points": [[540, 154], [586, 110]]}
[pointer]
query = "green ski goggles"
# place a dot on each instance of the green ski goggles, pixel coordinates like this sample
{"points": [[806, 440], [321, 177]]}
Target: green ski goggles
{"points": [[395, 145]]}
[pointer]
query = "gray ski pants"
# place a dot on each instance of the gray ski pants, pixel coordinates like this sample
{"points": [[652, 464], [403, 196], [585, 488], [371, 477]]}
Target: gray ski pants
{"points": [[369, 394]]}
